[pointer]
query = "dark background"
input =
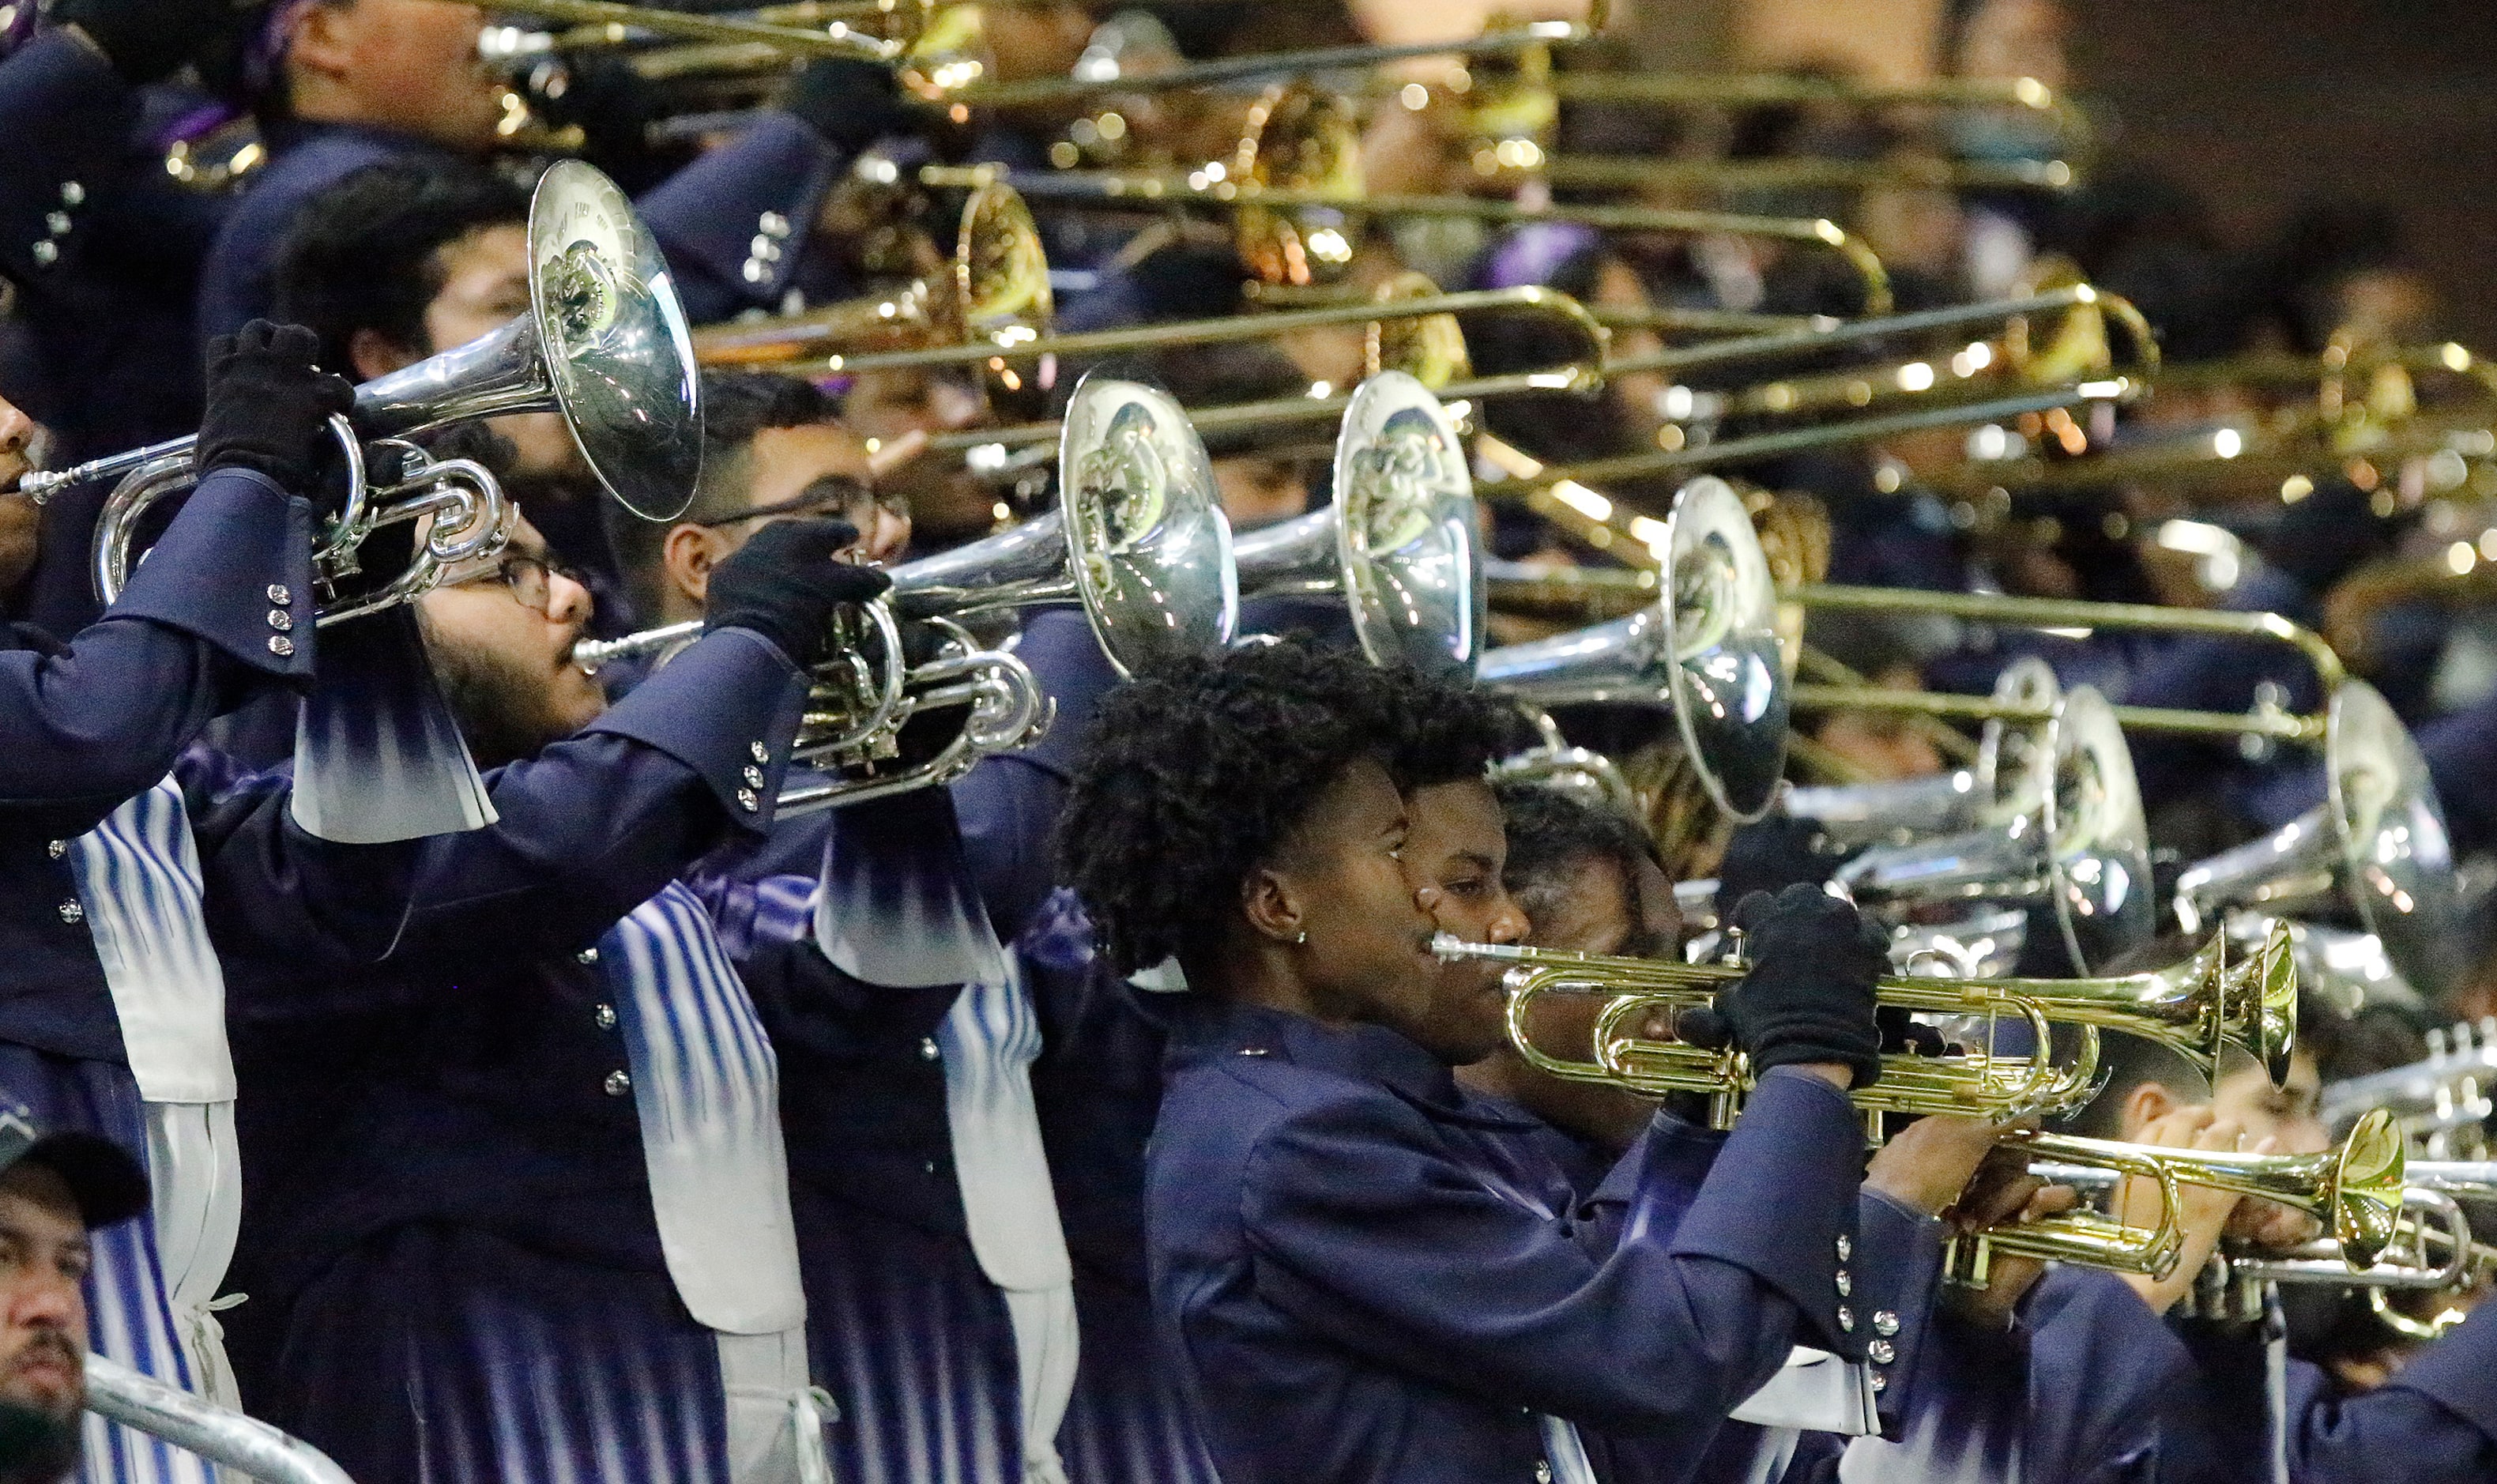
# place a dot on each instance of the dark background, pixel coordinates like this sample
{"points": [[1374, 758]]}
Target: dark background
{"points": [[2260, 104]]}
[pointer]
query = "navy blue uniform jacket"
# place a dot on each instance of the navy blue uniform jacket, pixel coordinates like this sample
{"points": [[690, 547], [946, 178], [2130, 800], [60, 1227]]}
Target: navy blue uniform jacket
{"points": [[1358, 1281]]}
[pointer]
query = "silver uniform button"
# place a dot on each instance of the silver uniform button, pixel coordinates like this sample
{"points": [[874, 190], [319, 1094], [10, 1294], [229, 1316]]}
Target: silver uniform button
{"points": [[280, 645], [928, 1050], [1881, 1352], [1845, 1319], [278, 595], [45, 253], [604, 1016], [1880, 1382], [73, 912], [775, 222], [617, 1083], [1884, 1322], [57, 223], [57, 848], [73, 194], [752, 271], [1542, 1472], [753, 776], [1846, 1247], [747, 800], [280, 619], [586, 956], [1845, 1284], [759, 752]]}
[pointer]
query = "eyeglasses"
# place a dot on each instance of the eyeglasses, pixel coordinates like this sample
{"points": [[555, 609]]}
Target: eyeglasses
{"points": [[531, 580], [832, 495]]}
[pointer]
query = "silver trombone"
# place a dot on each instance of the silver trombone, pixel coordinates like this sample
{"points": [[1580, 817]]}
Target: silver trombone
{"points": [[1398, 546], [1138, 540], [221, 1435]]}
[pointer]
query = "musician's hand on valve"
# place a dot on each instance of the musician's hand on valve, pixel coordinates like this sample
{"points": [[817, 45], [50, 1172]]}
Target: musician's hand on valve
{"points": [[2008, 1276], [2203, 1213], [1807, 1000], [1929, 1162], [2268, 1224], [785, 583], [268, 405]]}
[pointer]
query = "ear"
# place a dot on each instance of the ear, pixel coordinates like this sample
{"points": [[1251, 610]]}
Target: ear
{"points": [[323, 40], [686, 557], [375, 354], [1272, 905], [2146, 1102]]}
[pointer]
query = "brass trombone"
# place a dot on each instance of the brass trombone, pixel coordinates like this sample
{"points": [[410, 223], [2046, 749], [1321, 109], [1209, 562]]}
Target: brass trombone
{"points": [[2197, 1008], [2355, 1189]]}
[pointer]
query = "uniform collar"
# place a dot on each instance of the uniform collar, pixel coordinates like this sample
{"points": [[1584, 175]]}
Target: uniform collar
{"points": [[1204, 1030]]}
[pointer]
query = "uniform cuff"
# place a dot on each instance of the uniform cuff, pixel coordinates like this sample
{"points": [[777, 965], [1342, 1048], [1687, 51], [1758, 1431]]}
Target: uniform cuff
{"points": [[1898, 1271], [1799, 1152], [727, 707], [234, 570]]}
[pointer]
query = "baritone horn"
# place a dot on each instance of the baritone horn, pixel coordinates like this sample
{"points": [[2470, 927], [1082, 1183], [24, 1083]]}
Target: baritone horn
{"points": [[1138, 542], [1398, 546], [1707, 649], [605, 344], [2356, 1191], [2196, 1008], [2378, 843]]}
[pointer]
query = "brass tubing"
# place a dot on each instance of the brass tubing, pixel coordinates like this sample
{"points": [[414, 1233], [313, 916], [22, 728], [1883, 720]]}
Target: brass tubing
{"points": [[1802, 343], [1231, 327], [1143, 189], [1595, 172], [796, 40], [1273, 64]]}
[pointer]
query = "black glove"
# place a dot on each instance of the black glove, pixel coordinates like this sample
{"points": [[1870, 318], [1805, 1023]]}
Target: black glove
{"points": [[1808, 995], [784, 585], [1771, 854], [146, 39], [268, 405], [851, 104]]}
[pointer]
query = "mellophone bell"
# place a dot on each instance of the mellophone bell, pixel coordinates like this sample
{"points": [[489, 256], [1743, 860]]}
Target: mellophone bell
{"points": [[1024, 742]]}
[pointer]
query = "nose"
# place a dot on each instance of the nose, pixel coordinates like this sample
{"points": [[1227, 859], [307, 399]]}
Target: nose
{"points": [[1507, 923], [44, 1297], [568, 600]]}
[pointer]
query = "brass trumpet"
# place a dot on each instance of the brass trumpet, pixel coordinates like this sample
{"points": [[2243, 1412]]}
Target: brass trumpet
{"points": [[2197, 1008], [2355, 1189]]}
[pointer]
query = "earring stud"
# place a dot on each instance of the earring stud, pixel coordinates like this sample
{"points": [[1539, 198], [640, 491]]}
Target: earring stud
{"points": [[1303, 936]]}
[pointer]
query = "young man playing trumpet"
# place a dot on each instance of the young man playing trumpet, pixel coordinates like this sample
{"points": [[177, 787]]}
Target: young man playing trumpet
{"points": [[1355, 1271]]}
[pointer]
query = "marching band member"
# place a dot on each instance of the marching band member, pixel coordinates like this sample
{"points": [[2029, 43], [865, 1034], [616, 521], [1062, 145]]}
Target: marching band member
{"points": [[131, 868], [341, 84], [520, 1197], [2256, 1414], [1347, 1270]]}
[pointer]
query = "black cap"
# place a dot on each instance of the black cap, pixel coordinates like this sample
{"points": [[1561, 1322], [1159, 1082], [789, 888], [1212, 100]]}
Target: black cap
{"points": [[107, 1183]]}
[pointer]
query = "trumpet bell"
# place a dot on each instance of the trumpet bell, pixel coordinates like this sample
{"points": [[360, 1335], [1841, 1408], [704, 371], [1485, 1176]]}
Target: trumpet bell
{"points": [[1707, 649], [2367, 1182]]}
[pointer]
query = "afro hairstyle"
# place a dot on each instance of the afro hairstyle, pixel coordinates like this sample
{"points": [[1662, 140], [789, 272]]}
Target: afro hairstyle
{"points": [[1195, 773]]}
